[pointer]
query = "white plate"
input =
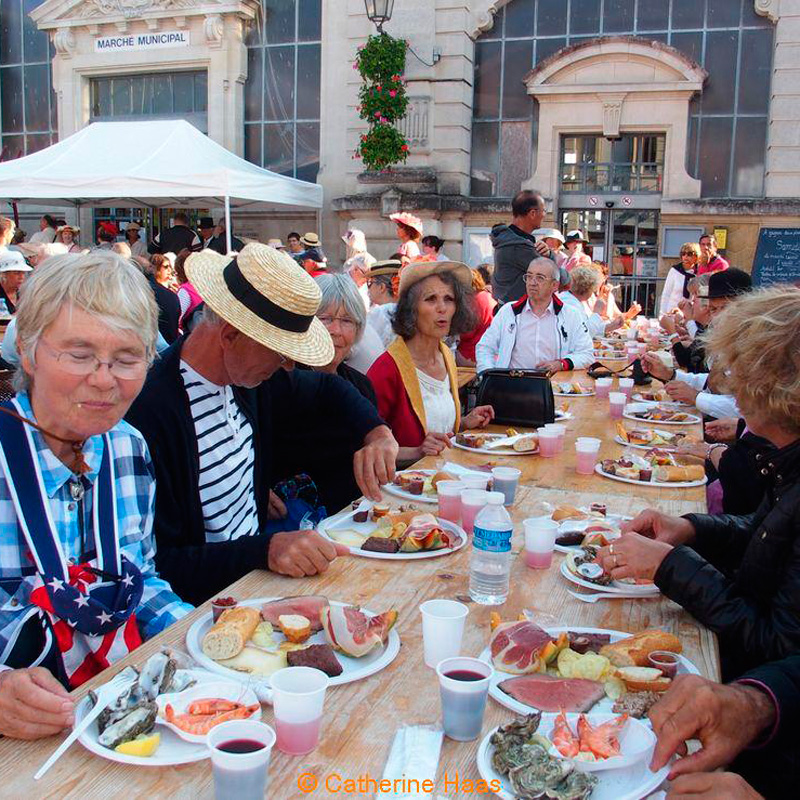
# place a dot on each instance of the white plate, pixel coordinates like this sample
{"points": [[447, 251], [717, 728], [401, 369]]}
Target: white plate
{"points": [[598, 468], [567, 525], [693, 419], [615, 587], [633, 783], [666, 448], [602, 357], [668, 403], [172, 750], [497, 451], [564, 414], [369, 526], [353, 669], [602, 706], [392, 488], [558, 393]]}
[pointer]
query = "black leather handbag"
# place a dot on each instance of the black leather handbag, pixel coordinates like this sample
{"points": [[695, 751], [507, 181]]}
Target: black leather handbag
{"points": [[519, 397]]}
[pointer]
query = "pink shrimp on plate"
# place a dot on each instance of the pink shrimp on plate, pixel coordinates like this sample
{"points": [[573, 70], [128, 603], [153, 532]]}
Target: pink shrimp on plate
{"points": [[603, 740], [200, 724], [563, 738], [212, 705]]}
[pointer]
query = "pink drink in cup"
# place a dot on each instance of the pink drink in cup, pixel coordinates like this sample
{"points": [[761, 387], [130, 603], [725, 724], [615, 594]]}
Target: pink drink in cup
{"points": [[586, 452], [616, 404], [561, 430], [472, 501], [449, 494], [602, 386], [548, 442], [626, 387], [298, 696], [540, 539]]}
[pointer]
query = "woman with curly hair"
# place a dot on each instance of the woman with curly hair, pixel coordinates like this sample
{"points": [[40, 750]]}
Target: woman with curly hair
{"points": [[415, 379]]}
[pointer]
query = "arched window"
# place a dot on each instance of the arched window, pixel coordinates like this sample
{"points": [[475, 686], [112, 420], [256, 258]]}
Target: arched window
{"points": [[728, 122], [281, 112]]}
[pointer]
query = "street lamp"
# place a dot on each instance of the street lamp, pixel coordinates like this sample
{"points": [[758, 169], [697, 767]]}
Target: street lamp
{"points": [[379, 11]]}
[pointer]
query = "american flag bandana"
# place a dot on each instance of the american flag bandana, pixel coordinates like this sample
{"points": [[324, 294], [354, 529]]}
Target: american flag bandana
{"points": [[89, 607]]}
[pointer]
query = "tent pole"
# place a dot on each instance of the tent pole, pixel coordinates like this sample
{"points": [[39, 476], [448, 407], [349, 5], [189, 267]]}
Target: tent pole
{"points": [[228, 224]]}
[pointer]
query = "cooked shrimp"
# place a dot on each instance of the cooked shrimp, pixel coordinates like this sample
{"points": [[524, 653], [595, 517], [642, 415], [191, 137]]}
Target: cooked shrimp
{"points": [[563, 737], [602, 740], [213, 705], [200, 724]]}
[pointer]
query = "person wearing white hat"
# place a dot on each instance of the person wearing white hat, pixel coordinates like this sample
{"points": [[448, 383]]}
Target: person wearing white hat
{"points": [[68, 236], [358, 262], [132, 237], [212, 421], [574, 243], [13, 271], [409, 232]]}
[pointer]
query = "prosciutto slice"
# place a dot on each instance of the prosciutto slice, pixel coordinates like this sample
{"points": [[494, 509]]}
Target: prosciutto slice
{"points": [[352, 632], [425, 533], [521, 647], [308, 605]]}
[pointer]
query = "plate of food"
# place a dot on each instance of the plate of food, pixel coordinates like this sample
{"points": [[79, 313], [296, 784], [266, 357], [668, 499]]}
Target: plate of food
{"points": [[660, 414], [510, 443], [133, 729], [655, 467], [417, 485], [580, 670], [592, 530], [520, 754], [659, 396], [610, 355], [572, 389], [394, 534], [581, 568], [648, 438], [256, 638]]}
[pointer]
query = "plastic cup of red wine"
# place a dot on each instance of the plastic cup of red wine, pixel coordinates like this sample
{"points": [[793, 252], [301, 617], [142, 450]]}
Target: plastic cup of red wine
{"points": [[240, 755], [298, 697], [464, 687]]}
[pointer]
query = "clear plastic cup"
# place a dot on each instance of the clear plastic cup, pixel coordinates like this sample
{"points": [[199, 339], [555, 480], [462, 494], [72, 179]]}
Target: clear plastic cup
{"points": [[602, 386], [540, 540], [464, 687], [449, 495], [586, 453], [298, 696], [240, 756], [561, 429], [475, 481], [626, 387], [472, 501], [616, 404], [548, 442], [506, 480], [442, 629]]}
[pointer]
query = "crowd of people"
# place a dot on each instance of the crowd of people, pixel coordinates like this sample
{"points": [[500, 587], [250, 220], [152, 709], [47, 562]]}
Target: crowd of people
{"points": [[187, 383]]}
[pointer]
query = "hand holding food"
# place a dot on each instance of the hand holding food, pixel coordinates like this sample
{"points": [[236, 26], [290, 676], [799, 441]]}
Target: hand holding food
{"points": [[682, 392], [654, 364], [661, 527], [712, 786], [435, 443], [33, 704], [373, 464], [633, 556], [726, 719], [301, 553], [722, 430]]}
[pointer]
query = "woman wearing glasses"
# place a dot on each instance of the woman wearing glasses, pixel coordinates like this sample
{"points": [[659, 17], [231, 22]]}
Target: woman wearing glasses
{"points": [[78, 586]]}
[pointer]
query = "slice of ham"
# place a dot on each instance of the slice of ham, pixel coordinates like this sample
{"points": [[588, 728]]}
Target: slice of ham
{"points": [[517, 647], [351, 631], [551, 695], [308, 605], [425, 533]]}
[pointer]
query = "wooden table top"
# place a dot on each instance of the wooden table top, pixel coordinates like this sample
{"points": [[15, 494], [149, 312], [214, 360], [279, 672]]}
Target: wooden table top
{"points": [[361, 718]]}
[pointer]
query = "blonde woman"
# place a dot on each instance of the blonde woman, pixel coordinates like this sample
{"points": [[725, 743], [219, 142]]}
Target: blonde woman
{"points": [[676, 284]]}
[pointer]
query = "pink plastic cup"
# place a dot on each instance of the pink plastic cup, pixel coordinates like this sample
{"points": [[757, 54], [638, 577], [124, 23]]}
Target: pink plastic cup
{"points": [[616, 404], [561, 430], [472, 501], [587, 450], [548, 442], [602, 386], [449, 494], [540, 539], [626, 387]]}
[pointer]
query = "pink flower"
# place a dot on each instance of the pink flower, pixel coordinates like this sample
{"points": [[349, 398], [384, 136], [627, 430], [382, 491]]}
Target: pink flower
{"points": [[377, 113], [355, 65], [392, 93], [378, 87], [404, 148], [383, 119]]}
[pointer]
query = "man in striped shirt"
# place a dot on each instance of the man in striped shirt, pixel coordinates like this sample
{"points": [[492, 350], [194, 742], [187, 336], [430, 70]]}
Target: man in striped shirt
{"points": [[206, 413]]}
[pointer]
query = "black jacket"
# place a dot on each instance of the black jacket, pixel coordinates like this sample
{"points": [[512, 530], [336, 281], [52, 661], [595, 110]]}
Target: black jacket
{"points": [[513, 252], [691, 357], [175, 239], [302, 419], [739, 472], [741, 576], [169, 310], [220, 244]]}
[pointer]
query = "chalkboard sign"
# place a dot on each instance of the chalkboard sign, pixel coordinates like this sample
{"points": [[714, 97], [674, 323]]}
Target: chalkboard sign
{"points": [[777, 256]]}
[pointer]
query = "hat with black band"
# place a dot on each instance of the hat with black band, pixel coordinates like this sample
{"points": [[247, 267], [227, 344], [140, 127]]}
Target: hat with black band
{"points": [[267, 296]]}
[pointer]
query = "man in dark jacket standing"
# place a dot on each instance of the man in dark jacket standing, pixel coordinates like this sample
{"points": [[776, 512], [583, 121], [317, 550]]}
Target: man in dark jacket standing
{"points": [[515, 246], [220, 242], [179, 237], [207, 416]]}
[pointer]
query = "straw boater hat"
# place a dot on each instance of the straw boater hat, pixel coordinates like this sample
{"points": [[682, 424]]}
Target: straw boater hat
{"points": [[74, 228], [310, 240], [408, 219], [133, 226], [267, 296], [417, 271], [389, 267]]}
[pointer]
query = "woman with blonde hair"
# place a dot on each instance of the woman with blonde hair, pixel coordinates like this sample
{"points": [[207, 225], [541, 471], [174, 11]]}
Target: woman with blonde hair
{"points": [[68, 236], [739, 575], [676, 284]]}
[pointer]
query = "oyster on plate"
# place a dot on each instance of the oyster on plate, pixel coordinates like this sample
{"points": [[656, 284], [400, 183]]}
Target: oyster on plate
{"points": [[523, 755], [138, 722]]}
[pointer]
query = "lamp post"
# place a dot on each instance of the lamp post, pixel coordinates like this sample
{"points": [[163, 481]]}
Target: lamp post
{"points": [[379, 11]]}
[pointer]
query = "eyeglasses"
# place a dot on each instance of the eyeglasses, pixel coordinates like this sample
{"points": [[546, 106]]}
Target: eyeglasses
{"points": [[125, 368], [537, 278], [345, 322]]}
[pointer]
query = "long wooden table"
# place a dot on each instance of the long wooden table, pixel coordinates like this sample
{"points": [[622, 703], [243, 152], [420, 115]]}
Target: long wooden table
{"points": [[361, 718]]}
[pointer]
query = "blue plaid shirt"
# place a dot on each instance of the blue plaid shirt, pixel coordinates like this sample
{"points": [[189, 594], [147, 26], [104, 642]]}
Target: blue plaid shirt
{"points": [[135, 488]]}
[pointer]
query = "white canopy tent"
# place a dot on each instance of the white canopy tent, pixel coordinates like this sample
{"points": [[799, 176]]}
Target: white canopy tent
{"points": [[149, 163]]}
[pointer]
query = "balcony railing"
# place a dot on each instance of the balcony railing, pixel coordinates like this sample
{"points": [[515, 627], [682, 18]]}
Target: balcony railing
{"points": [[639, 177]]}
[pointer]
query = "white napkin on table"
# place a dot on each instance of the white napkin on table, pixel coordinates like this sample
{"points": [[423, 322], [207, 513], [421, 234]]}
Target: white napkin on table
{"points": [[414, 754]]}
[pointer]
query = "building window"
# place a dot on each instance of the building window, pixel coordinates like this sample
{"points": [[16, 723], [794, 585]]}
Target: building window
{"points": [[160, 95], [281, 130], [633, 163], [727, 122], [27, 102]]}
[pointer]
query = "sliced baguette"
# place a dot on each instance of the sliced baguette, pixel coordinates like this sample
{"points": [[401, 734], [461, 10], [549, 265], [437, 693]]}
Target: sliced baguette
{"points": [[634, 650], [231, 632], [643, 679]]}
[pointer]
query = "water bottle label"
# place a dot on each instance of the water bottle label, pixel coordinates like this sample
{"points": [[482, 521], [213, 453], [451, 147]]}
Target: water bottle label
{"points": [[492, 541]]}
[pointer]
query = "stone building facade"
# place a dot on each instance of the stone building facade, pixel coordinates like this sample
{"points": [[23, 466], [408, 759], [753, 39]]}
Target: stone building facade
{"points": [[641, 121]]}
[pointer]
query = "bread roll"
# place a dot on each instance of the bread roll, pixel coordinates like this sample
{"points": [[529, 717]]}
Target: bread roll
{"points": [[665, 357], [633, 651], [231, 632], [643, 679], [665, 474], [441, 476], [526, 443], [567, 512]]}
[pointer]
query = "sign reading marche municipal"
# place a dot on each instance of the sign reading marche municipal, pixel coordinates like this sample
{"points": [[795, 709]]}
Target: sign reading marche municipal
{"points": [[141, 41]]}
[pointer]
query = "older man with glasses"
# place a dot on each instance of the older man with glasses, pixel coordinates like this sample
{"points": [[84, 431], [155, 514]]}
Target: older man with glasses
{"points": [[538, 331]]}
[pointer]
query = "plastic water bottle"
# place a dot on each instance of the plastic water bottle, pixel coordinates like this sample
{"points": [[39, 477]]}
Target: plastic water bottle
{"points": [[490, 567]]}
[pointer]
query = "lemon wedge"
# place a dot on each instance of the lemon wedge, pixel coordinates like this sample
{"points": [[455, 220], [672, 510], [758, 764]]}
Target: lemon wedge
{"points": [[144, 746]]}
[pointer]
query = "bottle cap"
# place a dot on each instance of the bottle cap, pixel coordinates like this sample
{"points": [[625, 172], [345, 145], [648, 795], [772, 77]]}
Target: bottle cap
{"points": [[495, 498]]}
